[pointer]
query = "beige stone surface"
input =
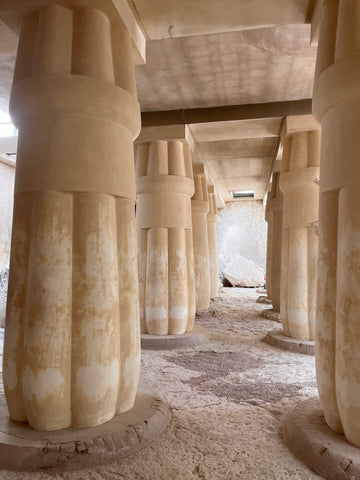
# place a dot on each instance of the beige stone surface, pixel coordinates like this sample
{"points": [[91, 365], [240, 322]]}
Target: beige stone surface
{"points": [[273, 215], [72, 346], [199, 212], [165, 251], [212, 239], [262, 54], [337, 107], [299, 180], [227, 399], [169, 18]]}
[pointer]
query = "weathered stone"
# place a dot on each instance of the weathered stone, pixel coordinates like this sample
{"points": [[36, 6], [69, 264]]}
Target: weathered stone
{"points": [[165, 244], [241, 272], [24, 449], [324, 451], [197, 336], [72, 343], [276, 338]]}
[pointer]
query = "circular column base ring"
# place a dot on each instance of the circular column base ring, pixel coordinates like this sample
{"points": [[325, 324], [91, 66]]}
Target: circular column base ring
{"points": [[25, 449], [197, 336], [277, 338], [311, 440]]}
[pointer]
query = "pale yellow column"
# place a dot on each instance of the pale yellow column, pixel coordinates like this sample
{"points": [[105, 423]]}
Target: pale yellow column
{"points": [[337, 107], [200, 209], [72, 350], [268, 219], [212, 238], [299, 184], [164, 188], [276, 212]]}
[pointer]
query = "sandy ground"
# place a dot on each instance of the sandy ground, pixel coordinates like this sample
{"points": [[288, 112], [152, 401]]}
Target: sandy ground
{"points": [[227, 398]]}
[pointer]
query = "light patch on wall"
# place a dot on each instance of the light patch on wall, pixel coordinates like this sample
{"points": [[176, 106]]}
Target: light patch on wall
{"points": [[43, 384]]}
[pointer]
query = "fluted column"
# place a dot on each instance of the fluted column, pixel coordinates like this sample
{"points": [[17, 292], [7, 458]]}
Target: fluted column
{"points": [[337, 107], [212, 238], [200, 209], [275, 201], [268, 219], [166, 258], [71, 353], [298, 182]]}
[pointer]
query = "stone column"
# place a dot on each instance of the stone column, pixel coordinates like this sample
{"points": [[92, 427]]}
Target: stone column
{"points": [[337, 107], [200, 209], [71, 352], [268, 219], [275, 201], [212, 238], [299, 184], [166, 258]]}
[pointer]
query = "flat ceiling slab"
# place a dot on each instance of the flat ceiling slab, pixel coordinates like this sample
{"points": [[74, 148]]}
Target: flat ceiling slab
{"points": [[264, 65], [173, 18]]}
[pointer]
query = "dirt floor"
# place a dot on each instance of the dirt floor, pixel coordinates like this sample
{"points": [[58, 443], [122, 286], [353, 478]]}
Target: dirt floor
{"points": [[227, 397]]}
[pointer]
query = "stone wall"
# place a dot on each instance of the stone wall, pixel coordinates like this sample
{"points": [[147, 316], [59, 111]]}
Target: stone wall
{"points": [[241, 230], [7, 176]]}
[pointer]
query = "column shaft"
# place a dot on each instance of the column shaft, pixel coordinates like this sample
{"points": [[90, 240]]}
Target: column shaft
{"points": [[212, 238], [337, 106], [298, 182], [268, 219], [200, 209], [71, 350], [274, 217], [164, 188]]}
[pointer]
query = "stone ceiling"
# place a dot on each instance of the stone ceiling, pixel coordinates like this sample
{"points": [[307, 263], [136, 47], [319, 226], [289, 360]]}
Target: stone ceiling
{"points": [[206, 53]]}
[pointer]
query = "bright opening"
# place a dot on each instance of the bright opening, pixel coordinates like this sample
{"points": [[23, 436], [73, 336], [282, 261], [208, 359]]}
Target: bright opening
{"points": [[243, 193], [7, 129]]}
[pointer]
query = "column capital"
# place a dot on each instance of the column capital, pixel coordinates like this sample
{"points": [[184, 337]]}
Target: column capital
{"points": [[298, 123], [115, 10]]}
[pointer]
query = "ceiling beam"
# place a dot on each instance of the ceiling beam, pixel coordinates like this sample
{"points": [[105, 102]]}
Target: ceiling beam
{"points": [[226, 113]]}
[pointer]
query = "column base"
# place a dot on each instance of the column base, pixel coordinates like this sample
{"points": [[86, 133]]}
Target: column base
{"points": [[24, 449], [197, 336], [269, 314], [278, 339], [311, 440]]}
